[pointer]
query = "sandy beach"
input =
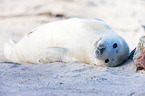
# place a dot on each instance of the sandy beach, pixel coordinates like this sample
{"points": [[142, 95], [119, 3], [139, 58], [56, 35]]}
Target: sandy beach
{"points": [[17, 17]]}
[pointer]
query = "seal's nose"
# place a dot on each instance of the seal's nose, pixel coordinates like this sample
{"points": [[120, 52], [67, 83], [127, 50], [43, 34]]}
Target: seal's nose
{"points": [[100, 50]]}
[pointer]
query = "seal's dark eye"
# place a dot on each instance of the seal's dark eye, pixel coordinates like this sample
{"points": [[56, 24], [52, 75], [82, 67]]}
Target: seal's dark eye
{"points": [[115, 45], [107, 60]]}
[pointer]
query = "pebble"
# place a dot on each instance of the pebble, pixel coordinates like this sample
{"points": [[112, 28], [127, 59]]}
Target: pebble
{"points": [[139, 56]]}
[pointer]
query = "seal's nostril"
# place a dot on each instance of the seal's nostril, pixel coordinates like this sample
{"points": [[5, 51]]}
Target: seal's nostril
{"points": [[107, 60], [101, 50]]}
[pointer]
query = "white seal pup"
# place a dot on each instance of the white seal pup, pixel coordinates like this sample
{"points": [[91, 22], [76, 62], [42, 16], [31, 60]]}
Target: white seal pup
{"points": [[89, 41]]}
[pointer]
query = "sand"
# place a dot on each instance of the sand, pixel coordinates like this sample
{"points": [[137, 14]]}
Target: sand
{"points": [[17, 17]]}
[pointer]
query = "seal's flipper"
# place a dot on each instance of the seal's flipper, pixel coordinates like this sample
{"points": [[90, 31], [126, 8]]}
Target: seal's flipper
{"points": [[132, 54], [8, 49], [52, 54]]}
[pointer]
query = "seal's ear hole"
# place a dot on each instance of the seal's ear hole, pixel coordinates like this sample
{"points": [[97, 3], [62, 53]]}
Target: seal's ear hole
{"points": [[116, 51], [107, 60], [115, 45]]}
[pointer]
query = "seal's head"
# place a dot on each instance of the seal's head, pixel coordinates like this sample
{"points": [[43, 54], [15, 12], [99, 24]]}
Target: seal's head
{"points": [[111, 51]]}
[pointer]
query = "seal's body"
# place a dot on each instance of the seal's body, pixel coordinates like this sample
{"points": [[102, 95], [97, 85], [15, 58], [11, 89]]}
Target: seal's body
{"points": [[83, 40]]}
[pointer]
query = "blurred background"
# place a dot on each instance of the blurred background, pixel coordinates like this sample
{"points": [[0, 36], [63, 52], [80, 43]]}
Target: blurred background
{"points": [[17, 17]]}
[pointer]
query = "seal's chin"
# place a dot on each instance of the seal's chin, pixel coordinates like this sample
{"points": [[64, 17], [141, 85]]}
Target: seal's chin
{"points": [[112, 64]]}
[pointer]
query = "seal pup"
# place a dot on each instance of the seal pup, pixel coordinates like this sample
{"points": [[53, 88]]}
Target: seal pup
{"points": [[89, 41]]}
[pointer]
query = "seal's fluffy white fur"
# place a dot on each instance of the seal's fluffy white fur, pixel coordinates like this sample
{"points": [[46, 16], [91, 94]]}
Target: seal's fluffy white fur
{"points": [[84, 40]]}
